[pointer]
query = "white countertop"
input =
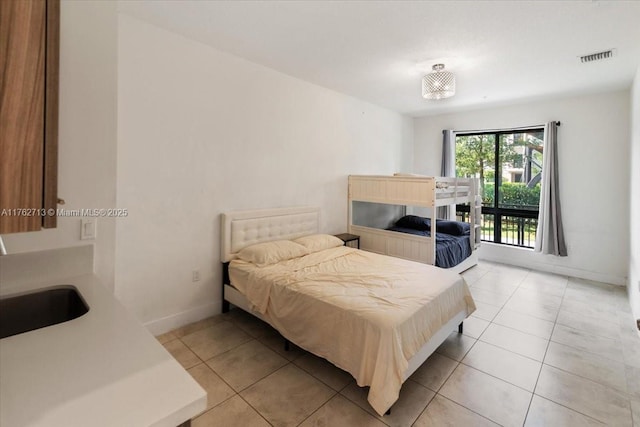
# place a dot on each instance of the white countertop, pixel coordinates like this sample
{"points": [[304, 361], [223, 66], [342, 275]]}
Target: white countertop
{"points": [[101, 369]]}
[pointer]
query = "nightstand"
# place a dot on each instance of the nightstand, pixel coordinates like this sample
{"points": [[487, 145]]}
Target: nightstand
{"points": [[351, 240]]}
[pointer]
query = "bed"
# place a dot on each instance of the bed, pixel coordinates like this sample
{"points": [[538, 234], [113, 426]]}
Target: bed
{"points": [[453, 238], [376, 317], [376, 202]]}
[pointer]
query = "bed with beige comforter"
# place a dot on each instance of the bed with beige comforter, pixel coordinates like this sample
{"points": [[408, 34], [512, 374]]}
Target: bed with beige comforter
{"points": [[366, 313]]}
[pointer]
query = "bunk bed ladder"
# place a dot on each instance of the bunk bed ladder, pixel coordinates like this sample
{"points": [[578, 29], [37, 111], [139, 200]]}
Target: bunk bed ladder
{"points": [[476, 215]]}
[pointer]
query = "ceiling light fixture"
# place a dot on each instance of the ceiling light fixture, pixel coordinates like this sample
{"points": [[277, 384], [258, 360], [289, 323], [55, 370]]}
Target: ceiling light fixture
{"points": [[439, 84]]}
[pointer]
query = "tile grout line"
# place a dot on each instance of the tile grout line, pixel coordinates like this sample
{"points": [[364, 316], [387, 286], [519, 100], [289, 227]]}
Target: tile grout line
{"points": [[555, 323], [468, 409], [526, 414], [535, 386], [425, 408], [246, 388], [502, 307], [491, 322], [571, 409], [449, 376], [255, 409], [320, 379], [319, 407], [353, 402], [542, 366], [261, 378], [541, 363], [214, 407], [568, 407], [626, 394], [289, 362], [501, 379], [236, 393]]}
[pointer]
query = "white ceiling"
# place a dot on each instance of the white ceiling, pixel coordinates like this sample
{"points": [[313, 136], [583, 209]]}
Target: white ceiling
{"points": [[501, 52]]}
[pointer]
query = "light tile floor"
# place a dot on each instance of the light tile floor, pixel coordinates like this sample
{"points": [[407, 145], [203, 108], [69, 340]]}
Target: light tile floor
{"points": [[541, 350]]}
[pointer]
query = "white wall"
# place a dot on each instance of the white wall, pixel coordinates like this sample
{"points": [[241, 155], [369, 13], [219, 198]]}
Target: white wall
{"points": [[201, 132], [87, 132], [594, 177], [634, 224]]}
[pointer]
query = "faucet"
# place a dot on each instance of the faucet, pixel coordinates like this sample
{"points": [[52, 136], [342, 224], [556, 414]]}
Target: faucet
{"points": [[3, 249]]}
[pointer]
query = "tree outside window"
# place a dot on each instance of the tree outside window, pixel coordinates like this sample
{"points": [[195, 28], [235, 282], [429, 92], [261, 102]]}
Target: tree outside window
{"points": [[509, 166]]}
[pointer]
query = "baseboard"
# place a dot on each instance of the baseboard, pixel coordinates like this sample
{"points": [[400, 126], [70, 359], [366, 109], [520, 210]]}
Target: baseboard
{"points": [[557, 269], [633, 290], [169, 323]]}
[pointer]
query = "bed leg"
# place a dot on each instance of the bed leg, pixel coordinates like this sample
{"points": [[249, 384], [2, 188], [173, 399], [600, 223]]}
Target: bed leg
{"points": [[388, 412], [225, 279], [460, 327]]}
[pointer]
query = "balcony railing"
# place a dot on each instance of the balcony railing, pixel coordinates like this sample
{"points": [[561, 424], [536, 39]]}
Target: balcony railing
{"points": [[516, 228]]}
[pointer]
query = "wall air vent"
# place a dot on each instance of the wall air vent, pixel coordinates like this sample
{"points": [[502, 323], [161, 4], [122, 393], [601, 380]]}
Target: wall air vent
{"points": [[598, 56]]}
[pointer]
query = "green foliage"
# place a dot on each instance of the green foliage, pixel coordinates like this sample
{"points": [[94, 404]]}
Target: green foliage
{"points": [[513, 195], [487, 194], [473, 154], [475, 157]]}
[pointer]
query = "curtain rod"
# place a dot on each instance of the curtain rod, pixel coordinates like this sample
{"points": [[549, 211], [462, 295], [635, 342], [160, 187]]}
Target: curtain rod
{"points": [[502, 130]]}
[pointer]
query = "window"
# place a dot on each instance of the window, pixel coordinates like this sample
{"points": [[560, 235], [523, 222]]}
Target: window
{"points": [[509, 166]]}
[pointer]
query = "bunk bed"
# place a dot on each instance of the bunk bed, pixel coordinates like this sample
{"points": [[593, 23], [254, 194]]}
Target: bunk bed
{"points": [[327, 298], [383, 212]]}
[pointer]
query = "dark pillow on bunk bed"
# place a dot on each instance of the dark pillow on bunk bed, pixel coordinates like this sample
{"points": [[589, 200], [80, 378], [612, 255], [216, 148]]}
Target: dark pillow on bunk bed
{"points": [[454, 228], [414, 222]]}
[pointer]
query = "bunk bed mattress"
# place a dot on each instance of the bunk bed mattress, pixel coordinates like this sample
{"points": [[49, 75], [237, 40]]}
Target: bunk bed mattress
{"points": [[366, 313], [450, 250]]}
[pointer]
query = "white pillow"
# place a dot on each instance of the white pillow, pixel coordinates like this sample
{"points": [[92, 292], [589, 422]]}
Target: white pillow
{"points": [[319, 242], [267, 253]]}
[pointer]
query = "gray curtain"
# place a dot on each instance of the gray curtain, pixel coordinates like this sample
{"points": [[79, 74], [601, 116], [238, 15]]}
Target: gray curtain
{"points": [[550, 234], [448, 168]]}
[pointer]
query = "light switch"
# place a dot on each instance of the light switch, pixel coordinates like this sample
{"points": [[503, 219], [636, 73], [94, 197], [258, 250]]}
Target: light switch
{"points": [[88, 229]]}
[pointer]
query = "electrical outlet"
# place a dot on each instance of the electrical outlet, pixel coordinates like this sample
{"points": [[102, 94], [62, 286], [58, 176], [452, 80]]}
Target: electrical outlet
{"points": [[87, 229], [195, 276]]}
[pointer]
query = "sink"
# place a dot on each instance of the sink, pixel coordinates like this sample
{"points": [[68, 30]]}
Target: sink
{"points": [[39, 309]]}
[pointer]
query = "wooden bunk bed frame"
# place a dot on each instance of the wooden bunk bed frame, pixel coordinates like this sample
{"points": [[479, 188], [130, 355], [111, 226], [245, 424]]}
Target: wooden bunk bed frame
{"points": [[414, 191]]}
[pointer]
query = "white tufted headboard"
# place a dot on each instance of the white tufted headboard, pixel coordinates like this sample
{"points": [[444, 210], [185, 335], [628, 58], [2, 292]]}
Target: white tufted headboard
{"points": [[244, 228]]}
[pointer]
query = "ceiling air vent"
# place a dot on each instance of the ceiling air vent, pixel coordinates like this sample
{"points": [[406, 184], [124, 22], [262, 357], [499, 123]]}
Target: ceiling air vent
{"points": [[599, 56]]}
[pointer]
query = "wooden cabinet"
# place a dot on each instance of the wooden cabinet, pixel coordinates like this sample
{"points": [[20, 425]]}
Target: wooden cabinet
{"points": [[29, 57]]}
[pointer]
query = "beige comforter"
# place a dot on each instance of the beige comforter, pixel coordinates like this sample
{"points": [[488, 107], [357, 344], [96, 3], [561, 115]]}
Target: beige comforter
{"points": [[366, 313]]}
